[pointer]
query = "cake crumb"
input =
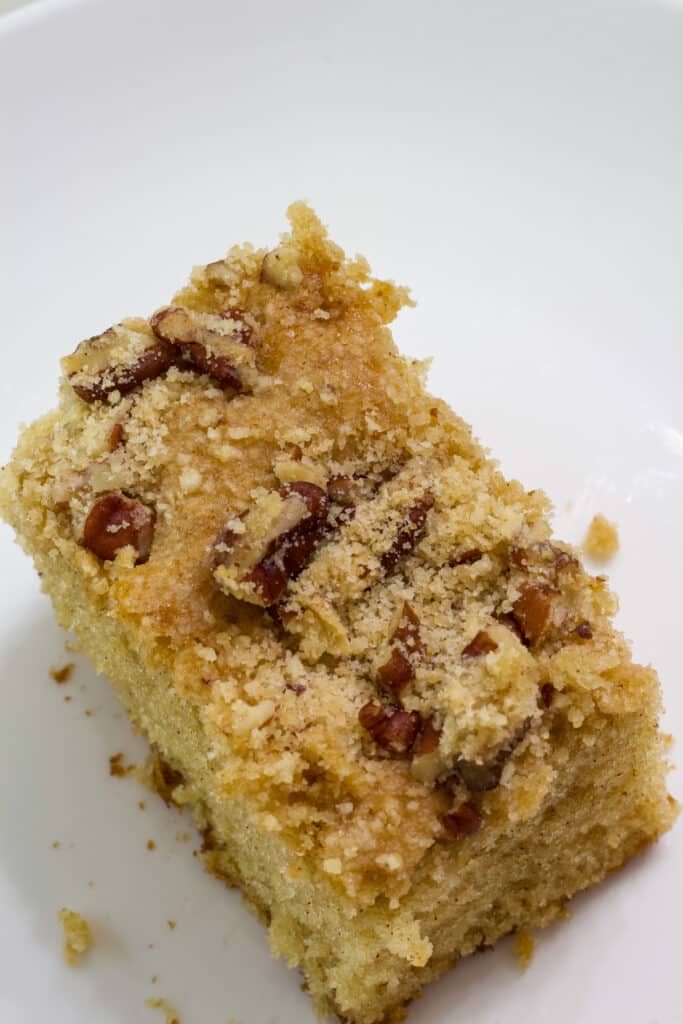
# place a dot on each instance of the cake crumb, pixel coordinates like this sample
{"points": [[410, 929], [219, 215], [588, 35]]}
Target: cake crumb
{"points": [[182, 837], [165, 1007], [56, 844], [171, 924], [160, 778], [118, 769], [602, 539], [63, 674], [154, 979], [67, 699], [141, 804], [77, 935], [151, 845], [524, 948]]}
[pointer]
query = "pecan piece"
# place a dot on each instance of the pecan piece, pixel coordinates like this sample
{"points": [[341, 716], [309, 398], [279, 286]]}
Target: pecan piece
{"points": [[116, 436], [347, 492], [281, 268], [465, 821], [343, 490], [398, 670], [481, 778], [427, 763], [428, 740], [217, 344], [395, 731], [533, 610], [482, 644], [274, 544], [509, 620], [467, 557], [409, 533], [116, 521], [547, 694], [120, 360], [543, 557]]}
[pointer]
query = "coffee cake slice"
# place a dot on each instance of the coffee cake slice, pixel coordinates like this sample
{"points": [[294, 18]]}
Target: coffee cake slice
{"points": [[399, 708]]}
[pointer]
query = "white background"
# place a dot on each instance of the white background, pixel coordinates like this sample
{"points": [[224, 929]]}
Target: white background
{"points": [[520, 165]]}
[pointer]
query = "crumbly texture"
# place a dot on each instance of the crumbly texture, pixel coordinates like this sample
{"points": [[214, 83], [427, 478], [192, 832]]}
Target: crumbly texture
{"points": [[77, 935], [602, 538], [171, 1015], [398, 708]]}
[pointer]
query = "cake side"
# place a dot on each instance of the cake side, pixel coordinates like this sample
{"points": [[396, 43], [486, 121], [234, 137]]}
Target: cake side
{"points": [[382, 679]]}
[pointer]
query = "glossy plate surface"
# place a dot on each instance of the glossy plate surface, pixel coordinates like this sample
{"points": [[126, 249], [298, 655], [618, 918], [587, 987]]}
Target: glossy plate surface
{"points": [[520, 165]]}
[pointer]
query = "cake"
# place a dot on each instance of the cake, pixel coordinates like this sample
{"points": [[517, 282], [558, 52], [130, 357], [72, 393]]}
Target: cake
{"points": [[398, 707]]}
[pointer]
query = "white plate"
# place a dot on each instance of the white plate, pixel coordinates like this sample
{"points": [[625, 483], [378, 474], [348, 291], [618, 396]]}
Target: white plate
{"points": [[520, 165]]}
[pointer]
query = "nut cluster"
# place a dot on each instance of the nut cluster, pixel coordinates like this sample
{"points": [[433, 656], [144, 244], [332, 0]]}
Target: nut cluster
{"points": [[256, 557], [120, 359], [217, 344]]}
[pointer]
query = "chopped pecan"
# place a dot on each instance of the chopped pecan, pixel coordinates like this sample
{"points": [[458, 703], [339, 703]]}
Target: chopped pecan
{"points": [[465, 821], [428, 739], [407, 632], [218, 344], [116, 437], [274, 544], [480, 778], [533, 610], [584, 630], [467, 557], [395, 731], [116, 521], [543, 557], [347, 492], [509, 620], [120, 360], [482, 643], [547, 694], [344, 491], [398, 670], [281, 268], [409, 533]]}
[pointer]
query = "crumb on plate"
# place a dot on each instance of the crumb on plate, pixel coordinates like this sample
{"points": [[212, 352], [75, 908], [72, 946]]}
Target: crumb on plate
{"points": [[602, 538], [118, 768], [524, 948], [172, 1016], [77, 935], [63, 674]]}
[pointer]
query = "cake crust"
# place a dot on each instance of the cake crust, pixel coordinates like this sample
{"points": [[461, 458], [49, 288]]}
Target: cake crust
{"points": [[399, 707]]}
